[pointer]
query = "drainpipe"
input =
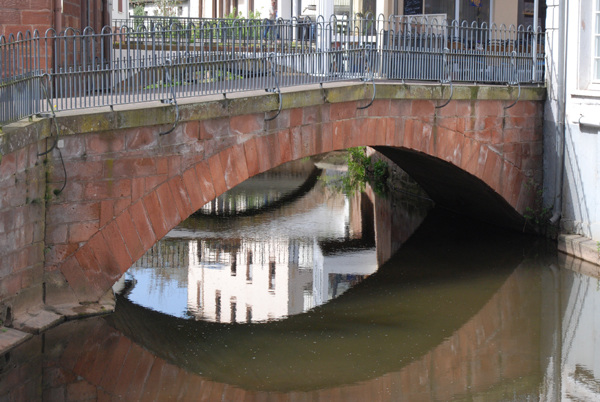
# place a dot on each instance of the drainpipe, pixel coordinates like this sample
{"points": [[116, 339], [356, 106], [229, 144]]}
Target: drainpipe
{"points": [[562, 94], [57, 15], [536, 14], [456, 17], [456, 11]]}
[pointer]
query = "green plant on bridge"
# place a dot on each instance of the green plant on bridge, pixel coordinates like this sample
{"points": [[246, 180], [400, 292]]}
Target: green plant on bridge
{"points": [[356, 177], [361, 170]]}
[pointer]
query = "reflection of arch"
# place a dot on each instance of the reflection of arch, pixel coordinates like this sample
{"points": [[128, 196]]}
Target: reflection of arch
{"points": [[318, 344], [285, 199], [91, 355]]}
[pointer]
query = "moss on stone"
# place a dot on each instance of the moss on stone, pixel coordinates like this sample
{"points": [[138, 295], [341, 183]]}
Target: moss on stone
{"points": [[21, 134]]}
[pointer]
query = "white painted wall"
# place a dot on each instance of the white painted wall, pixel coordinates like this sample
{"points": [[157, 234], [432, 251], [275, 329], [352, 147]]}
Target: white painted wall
{"points": [[114, 7], [580, 360], [181, 10], [580, 212]]}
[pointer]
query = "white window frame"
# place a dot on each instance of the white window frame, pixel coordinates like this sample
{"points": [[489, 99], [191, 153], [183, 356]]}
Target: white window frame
{"points": [[586, 82], [595, 76]]}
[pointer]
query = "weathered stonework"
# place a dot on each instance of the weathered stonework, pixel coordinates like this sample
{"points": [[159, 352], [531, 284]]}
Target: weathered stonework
{"points": [[127, 186]]}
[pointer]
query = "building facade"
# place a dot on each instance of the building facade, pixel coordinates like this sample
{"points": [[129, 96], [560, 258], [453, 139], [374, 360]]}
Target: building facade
{"points": [[507, 12], [572, 116], [40, 15]]}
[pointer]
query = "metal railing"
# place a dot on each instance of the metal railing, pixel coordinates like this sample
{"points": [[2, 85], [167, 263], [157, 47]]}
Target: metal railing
{"points": [[143, 60]]}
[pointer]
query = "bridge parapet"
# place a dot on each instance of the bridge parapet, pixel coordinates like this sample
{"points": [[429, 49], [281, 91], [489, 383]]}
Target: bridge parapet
{"points": [[183, 58], [126, 186]]}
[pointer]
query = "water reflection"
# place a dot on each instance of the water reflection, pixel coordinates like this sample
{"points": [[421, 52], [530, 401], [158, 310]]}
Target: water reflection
{"points": [[385, 323], [493, 319], [262, 263], [266, 191], [580, 338], [461, 311]]}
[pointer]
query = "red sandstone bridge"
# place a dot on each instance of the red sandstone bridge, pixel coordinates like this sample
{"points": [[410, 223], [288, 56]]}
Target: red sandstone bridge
{"points": [[75, 216]]}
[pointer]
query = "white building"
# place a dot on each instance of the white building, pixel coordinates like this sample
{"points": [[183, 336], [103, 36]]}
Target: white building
{"points": [[119, 9], [572, 116], [165, 8]]}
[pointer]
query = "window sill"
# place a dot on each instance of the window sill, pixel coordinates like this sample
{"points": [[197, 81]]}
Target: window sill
{"points": [[592, 93]]}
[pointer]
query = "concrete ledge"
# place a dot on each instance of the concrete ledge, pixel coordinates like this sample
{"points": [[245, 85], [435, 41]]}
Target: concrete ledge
{"points": [[72, 311], [580, 247], [578, 265], [10, 338], [37, 322]]}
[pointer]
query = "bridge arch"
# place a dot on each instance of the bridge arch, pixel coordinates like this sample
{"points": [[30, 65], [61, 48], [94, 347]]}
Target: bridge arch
{"points": [[127, 186]]}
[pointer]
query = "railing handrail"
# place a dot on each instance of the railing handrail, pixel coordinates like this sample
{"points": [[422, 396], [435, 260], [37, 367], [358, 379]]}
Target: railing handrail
{"points": [[126, 64]]}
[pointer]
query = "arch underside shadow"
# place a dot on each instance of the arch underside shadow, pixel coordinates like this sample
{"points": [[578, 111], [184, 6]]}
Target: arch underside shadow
{"points": [[454, 189]]}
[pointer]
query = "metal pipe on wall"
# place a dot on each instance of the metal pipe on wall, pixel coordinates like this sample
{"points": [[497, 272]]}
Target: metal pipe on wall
{"points": [[563, 24]]}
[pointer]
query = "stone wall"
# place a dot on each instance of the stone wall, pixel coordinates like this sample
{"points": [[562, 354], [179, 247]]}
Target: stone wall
{"points": [[126, 185], [22, 214], [22, 16]]}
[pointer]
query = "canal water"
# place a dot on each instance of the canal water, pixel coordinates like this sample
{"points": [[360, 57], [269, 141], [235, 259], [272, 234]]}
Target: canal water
{"points": [[286, 289]]}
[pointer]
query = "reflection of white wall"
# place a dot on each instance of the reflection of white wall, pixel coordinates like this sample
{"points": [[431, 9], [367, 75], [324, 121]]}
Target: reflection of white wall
{"points": [[259, 285], [581, 341], [362, 262], [318, 285], [302, 274]]}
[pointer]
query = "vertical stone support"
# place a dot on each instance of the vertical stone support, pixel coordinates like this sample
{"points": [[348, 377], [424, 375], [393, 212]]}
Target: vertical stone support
{"points": [[22, 212]]}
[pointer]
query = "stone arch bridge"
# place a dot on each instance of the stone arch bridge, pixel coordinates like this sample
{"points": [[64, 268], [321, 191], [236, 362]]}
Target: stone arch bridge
{"points": [[126, 186]]}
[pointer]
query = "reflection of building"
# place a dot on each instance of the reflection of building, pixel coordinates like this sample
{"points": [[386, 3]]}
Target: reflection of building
{"points": [[272, 263], [268, 189], [251, 281], [268, 276], [573, 369]]}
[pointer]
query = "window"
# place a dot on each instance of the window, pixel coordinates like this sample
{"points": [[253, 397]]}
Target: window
{"points": [[596, 41], [272, 276], [218, 306], [120, 6], [248, 313], [233, 306]]}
